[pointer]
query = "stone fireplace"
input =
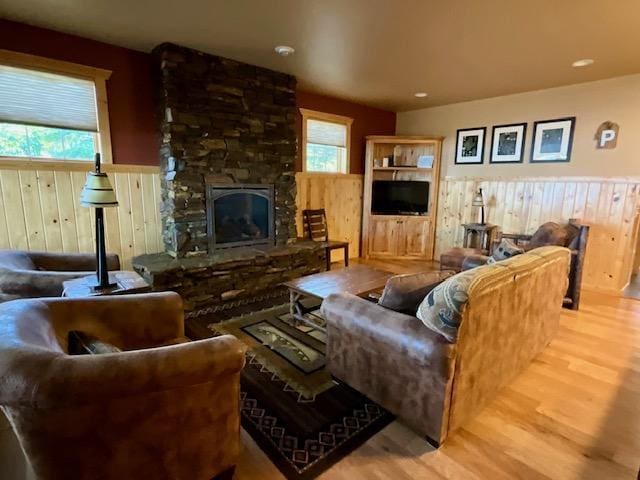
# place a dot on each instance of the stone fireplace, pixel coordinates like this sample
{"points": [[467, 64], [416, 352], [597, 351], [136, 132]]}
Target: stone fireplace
{"points": [[240, 215], [228, 145], [221, 122]]}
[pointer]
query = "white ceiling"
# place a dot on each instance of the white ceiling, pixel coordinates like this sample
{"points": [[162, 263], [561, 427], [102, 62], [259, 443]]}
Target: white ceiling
{"points": [[377, 52]]}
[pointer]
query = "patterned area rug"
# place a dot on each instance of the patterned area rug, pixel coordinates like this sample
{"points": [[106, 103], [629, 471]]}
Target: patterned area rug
{"points": [[300, 417]]}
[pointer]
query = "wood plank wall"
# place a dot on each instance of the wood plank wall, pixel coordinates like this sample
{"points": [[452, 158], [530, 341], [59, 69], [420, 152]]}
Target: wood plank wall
{"points": [[40, 209], [519, 205], [341, 196]]}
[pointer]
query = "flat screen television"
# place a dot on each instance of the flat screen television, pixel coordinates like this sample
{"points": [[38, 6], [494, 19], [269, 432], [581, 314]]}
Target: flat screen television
{"points": [[399, 197]]}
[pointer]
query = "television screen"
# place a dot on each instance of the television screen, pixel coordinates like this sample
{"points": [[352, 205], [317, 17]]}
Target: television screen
{"points": [[401, 197]]}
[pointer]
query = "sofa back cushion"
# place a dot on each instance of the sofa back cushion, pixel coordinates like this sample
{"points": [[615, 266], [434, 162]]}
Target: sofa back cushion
{"points": [[83, 343], [403, 293]]}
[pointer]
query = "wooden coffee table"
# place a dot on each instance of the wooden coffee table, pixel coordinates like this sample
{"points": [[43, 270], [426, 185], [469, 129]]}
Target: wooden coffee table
{"points": [[358, 280]]}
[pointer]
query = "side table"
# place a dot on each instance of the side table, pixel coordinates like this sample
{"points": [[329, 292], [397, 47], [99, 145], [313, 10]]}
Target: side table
{"points": [[479, 235], [126, 282]]}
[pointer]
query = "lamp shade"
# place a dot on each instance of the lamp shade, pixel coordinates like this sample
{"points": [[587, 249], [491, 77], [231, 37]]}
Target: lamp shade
{"points": [[478, 201], [98, 192]]}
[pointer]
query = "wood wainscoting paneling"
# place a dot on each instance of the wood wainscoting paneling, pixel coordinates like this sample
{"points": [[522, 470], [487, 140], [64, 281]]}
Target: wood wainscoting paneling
{"points": [[519, 205], [341, 196], [41, 211]]}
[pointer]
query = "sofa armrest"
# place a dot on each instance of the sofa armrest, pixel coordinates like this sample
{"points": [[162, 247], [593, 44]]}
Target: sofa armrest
{"points": [[129, 321], [74, 380], [378, 326], [35, 283], [393, 359], [71, 262]]}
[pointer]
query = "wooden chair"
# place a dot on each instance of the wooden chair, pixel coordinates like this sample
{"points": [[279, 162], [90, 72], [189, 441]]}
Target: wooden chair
{"points": [[315, 228]]}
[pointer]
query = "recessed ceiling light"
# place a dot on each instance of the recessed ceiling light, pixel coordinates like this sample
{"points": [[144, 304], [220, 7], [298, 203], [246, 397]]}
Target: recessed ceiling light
{"points": [[585, 62], [284, 50], [420, 94]]}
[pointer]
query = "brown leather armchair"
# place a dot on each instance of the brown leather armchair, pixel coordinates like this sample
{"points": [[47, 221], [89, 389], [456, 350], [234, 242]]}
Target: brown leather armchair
{"points": [[40, 274], [150, 411], [572, 235]]}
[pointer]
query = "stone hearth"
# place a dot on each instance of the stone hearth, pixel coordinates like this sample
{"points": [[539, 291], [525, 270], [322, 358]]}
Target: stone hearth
{"points": [[232, 274]]}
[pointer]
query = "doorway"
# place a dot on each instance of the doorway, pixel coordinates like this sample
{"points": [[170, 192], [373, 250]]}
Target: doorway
{"points": [[633, 288]]}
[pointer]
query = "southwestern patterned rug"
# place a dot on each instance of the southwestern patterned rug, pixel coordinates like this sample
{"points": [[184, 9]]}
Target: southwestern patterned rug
{"points": [[301, 418]]}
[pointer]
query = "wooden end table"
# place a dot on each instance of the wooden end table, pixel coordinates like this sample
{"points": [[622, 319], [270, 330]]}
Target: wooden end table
{"points": [[479, 235], [358, 280], [126, 282]]}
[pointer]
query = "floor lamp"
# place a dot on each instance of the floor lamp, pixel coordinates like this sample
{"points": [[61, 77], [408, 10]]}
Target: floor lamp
{"points": [[98, 193]]}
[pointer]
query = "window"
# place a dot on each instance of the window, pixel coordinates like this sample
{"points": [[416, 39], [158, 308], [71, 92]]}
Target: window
{"points": [[325, 142], [44, 142], [52, 110]]}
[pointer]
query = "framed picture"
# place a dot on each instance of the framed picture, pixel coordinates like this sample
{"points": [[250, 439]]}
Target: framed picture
{"points": [[507, 143], [425, 161], [552, 140], [470, 145]]}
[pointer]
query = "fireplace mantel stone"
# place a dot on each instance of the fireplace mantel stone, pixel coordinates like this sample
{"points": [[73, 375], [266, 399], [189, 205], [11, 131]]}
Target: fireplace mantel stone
{"points": [[231, 274]]}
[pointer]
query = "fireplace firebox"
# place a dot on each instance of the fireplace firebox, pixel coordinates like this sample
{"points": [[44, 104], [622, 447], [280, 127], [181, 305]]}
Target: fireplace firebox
{"points": [[240, 215]]}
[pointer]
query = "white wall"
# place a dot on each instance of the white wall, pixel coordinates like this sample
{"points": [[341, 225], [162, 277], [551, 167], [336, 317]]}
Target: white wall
{"points": [[616, 100]]}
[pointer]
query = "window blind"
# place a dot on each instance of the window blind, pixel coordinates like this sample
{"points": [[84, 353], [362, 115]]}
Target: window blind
{"points": [[326, 133], [46, 99]]}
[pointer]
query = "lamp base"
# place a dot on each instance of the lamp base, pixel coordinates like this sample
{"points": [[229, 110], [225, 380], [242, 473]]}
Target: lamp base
{"points": [[102, 288], [95, 286]]}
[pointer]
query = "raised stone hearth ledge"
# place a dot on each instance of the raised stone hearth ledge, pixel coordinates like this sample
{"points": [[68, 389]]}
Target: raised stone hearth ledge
{"points": [[232, 274]]}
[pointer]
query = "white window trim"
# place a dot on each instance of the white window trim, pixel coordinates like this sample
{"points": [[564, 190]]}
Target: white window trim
{"points": [[99, 78], [327, 117]]}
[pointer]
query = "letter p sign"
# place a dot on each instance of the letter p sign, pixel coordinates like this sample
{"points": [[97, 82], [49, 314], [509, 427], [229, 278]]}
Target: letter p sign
{"points": [[607, 135]]}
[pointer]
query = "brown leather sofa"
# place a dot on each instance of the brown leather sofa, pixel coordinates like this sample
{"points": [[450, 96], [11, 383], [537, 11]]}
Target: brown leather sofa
{"points": [[434, 386], [150, 411], [39, 274]]}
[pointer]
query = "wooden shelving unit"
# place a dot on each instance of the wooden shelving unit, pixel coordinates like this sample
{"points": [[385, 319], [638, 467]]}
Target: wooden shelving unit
{"points": [[402, 169], [400, 236]]}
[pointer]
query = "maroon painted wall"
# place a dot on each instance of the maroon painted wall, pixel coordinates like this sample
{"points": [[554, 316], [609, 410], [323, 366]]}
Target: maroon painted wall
{"points": [[129, 90], [366, 121]]}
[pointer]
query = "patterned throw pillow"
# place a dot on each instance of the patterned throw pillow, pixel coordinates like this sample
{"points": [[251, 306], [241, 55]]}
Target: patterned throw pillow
{"points": [[506, 249], [403, 293], [81, 343], [441, 310]]}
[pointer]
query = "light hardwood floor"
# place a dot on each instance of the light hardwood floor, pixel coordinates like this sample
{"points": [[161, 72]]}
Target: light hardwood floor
{"points": [[573, 414]]}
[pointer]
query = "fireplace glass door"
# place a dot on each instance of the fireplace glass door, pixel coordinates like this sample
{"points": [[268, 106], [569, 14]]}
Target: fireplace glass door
{"points": [[240, 215]]}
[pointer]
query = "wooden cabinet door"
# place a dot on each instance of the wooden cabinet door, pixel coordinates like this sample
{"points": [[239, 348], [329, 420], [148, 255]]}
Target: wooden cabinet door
{"points": [[413, 238], [383, 235]]}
